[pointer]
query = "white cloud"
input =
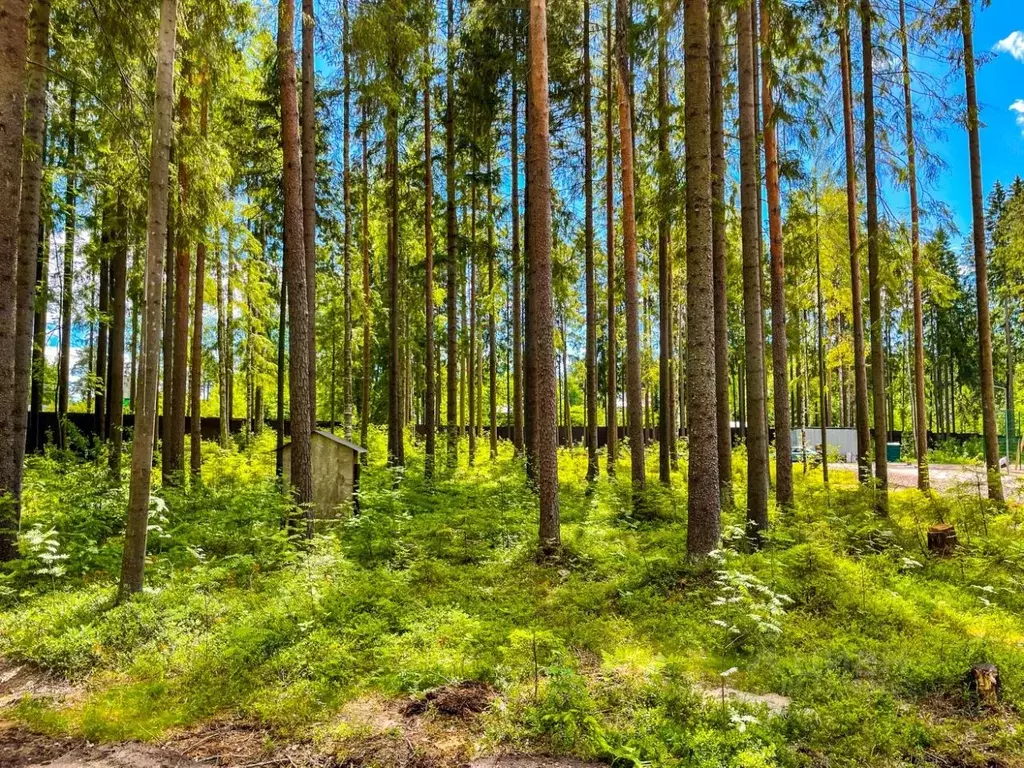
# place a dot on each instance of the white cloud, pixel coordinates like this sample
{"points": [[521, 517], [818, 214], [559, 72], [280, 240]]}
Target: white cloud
{"points": [[1018, 107], [1012, 44]]}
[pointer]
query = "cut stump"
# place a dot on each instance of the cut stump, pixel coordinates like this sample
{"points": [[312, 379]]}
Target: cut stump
{"points": [[942, 539]]}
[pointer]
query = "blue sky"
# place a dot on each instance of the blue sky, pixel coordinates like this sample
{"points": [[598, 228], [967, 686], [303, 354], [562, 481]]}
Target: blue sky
{"points": [[1000, 86]]}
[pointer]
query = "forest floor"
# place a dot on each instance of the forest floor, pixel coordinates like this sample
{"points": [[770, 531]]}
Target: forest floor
{"points": [[424, 633]]}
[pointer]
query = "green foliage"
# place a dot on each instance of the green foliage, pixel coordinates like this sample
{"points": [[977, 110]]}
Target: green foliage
{"points": [[616, 652]]}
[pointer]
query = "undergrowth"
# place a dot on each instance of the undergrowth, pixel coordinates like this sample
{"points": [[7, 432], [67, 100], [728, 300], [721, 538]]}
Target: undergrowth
{"points": [[614, 652]]}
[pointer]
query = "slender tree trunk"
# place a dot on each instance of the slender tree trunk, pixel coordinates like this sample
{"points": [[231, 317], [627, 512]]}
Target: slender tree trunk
{"points": [[491, 314], [282, 320], [517, 268], [346, 381], [664, 267], [367, 382], [223, 398], [471, 355], [115, 376], [718, 255], [174, 427], [874, 266], [860, 375], [988, 402], [780, 352], [103, 310], [612, 410], [299, 380], [14, 34], [541, 325], [42, 300], [396, 438], [634, 391], [198, 306], [451, 235], [591, 286], [70, 205], [428, 294], [704, 525], [753, 317], [920, 428], [823, 395], [308, 140], [134, 557], [29, 226]]}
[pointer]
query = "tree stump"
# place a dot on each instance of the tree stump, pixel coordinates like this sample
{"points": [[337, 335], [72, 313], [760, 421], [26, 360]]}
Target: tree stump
{"points": [[984, 683], [942, 539]]}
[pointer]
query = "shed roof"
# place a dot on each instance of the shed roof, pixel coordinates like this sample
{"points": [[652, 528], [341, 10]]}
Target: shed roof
{"points": [[331, 436]]}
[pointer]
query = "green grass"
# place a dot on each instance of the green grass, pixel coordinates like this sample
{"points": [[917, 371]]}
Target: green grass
{"points": [[596, 655]]}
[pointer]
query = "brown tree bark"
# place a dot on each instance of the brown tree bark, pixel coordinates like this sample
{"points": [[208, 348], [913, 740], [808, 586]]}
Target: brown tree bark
{"points": [[517, 267], [299, 383], [471, 357], [134, 557], [703, 512], [718, 253], [860, 375], [590, 434], [780, 351], [29, 224], [541, 325], [346, 380], [118, 308], [753, 316], [396, 422], [664, 265], [103, 310], [223, 389], [920, 404], [13, 44], [634, 390], [491, 312], [988, 401], [428, 288], [874, 267], [174, 417], [612, 411], [367, 381], [307, 125], [451, 235], [198, 305], [70, 206]]}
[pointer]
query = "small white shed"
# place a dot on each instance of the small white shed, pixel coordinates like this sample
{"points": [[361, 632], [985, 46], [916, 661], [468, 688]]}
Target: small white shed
{"points": [[335, 472]]}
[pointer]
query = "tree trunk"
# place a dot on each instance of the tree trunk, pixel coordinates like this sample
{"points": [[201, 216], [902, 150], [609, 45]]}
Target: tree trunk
{"points": [[471, 355], [664, 268], [14, 33], [874, 267], [823, 409], [753, 317], [29, 225], [103, 310], [541, 325], [223, 399], [134, 557], [174, 426], [299, 380], [718, 254], [428, 292], [367, 382], [396, 439], [920, 428], [988, 402], [780, 352], [634, 391], [198, 306], [282, 320], [451, 235], [115, 376], [612, 410], [70, 205], [491, 314], [308, 139], [860, 375], [517, 268], [591, 288], [346, 381], [703, 511], [42, 300]]}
